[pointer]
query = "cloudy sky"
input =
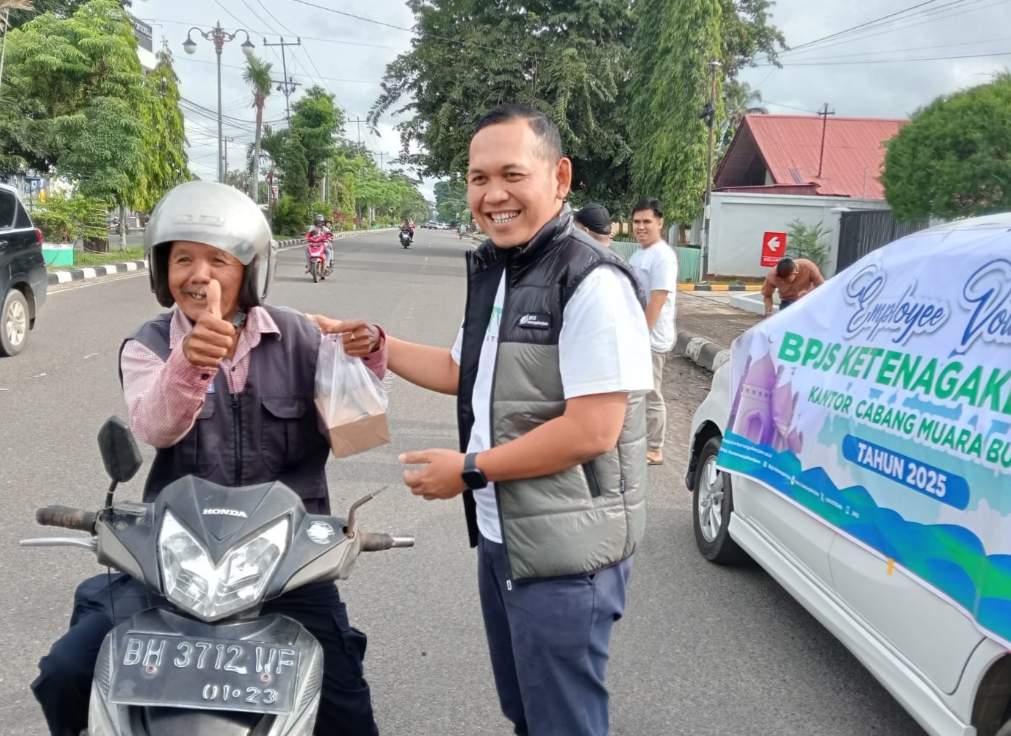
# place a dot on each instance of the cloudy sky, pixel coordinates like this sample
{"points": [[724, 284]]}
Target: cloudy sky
{"points": [[886, 69]]}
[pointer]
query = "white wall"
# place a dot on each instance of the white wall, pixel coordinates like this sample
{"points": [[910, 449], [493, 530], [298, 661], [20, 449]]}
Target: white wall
{"points": [[740, 220]]}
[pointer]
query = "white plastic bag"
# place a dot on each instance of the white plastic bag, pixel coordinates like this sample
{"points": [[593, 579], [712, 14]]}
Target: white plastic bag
{"points": [[351, 401]]}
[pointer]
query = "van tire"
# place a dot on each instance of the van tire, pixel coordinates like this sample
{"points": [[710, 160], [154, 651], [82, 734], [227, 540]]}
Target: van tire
{"points": [[15, 322], [712, 505]]}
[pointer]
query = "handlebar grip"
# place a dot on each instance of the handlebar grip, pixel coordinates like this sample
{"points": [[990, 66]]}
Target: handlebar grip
{"points": [[66, 517], [372, 542]]}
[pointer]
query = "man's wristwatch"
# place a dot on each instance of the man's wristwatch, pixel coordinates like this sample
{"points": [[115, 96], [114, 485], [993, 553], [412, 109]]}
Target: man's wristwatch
{"points": [[473, 476]]}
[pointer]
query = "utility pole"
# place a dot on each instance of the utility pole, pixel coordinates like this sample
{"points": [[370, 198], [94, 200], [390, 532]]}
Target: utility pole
{"points": [[710, 114], [226, 141], [823, 114], [358, 123], [288, 85]]}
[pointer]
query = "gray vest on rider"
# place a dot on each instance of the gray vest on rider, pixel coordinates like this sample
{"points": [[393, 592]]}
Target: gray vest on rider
{"points": [[268, 432], [589, 516]]}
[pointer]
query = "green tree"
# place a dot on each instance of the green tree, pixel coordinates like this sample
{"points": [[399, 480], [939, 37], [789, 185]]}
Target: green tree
{"points": [[163, 136], [954, 158], [450, 199], [56, 67], [22, 11], [318, 121], [675, 42], [286, 150], [739, 99], [568, 58], [257, 76]]}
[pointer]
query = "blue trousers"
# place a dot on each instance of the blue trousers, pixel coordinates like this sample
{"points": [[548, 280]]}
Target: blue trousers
{"points": [[63, 686], [548, 641]]}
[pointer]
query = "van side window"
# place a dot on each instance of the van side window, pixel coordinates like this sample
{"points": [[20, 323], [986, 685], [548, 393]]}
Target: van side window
{"points": [[8, 206], [22, 220]]}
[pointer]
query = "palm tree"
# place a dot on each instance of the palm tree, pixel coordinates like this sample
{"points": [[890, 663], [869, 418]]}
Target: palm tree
{"points": [[257, 75], [739, 99]]}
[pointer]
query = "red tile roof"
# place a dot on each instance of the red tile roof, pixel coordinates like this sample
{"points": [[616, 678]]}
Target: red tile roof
{"points": [[789, 146]]}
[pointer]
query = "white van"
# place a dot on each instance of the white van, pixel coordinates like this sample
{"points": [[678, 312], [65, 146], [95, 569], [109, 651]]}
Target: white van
{"points": [[858, 447]]}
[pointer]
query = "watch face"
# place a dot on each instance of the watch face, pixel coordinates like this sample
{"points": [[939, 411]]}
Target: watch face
{"points": [[474, 479]]}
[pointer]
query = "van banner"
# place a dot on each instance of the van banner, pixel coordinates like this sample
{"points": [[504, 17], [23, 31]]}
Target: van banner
{"points": [[881, 404]]}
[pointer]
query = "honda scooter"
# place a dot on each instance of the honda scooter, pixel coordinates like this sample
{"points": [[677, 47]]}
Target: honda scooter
{"points": [[204, 661]]}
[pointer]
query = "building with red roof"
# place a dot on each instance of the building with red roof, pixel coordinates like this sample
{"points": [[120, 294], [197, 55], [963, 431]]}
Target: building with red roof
{"points": [[781, 154]]}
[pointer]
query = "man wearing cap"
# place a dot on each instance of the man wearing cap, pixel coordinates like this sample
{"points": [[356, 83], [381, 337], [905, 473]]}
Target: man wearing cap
{"points": [[595, 220], [223, 387]]}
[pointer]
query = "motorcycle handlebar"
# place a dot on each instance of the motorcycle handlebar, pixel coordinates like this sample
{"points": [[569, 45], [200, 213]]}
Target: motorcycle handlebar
{"points": [[66, 517], [372, 542]]}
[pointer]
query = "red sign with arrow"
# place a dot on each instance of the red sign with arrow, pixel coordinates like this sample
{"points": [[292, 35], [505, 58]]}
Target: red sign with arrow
{"points": [[773, 248]]}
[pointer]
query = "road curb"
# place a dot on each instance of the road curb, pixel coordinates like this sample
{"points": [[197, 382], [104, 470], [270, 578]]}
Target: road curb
{"points": [[68, 275], [702, 351], [719, 287], [94, 272]]}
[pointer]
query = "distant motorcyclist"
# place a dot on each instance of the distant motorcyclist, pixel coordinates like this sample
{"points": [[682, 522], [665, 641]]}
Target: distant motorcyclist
{"points": [[407, 228], [319, 232]]}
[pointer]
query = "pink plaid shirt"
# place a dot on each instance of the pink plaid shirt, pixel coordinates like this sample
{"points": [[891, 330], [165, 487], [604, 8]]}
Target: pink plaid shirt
{"points": [[164, 398]]}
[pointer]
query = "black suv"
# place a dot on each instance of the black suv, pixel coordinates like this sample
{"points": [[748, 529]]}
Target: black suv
{"points": [[23, 278]]}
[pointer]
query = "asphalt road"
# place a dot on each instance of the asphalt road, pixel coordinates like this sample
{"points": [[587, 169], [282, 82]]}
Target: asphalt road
{"points": [[702, 650]]}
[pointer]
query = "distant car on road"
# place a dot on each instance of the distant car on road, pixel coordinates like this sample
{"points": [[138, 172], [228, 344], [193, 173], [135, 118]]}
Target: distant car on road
{"points": [[23, 278], [837, 482]]}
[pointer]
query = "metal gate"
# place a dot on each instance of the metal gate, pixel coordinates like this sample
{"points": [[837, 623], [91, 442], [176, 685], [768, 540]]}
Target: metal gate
{"points": [[862, 232]]}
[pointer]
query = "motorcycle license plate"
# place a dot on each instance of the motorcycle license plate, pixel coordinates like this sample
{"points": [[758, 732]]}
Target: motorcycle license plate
{"points": [[216, 674]]}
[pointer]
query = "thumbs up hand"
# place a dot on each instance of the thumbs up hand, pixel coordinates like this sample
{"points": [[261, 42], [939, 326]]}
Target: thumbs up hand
{"points": [[212, 338]]}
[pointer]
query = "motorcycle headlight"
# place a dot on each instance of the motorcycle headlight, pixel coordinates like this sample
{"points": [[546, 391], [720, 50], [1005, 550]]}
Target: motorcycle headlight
{"points": [[193, 582]]}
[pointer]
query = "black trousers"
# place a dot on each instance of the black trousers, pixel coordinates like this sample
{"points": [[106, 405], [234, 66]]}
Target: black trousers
{"points": [[63, 686]]}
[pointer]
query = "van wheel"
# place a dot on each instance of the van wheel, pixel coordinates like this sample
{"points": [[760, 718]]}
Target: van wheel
{"points": [[14, 323], [1005, 730], [712, 502]]}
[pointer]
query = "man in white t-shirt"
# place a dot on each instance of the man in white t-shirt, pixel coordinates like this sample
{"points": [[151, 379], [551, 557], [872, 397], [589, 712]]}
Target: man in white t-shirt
{"points": [[551, 368], [656, 267]]}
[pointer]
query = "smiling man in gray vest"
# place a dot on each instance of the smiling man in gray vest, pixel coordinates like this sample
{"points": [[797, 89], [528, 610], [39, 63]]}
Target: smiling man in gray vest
{"points": [[550, 369]]}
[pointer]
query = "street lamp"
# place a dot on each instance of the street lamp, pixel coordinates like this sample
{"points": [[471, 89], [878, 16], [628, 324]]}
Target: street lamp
{"points": [[220, 37]]}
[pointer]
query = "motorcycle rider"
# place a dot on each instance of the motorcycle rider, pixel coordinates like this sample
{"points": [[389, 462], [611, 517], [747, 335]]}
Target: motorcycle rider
{"points": [[319, 230], [219, 372], [408, 228]]}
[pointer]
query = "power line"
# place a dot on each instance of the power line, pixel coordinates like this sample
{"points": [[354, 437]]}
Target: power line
{"points": [[896, 26], [303, 76], [318, 39], [277, 20], [865, 24], [365, 19], [856, 54], [892, 61], [362, 18]]}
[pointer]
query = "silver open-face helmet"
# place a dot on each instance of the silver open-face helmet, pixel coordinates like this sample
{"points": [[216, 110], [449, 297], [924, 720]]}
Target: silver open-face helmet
{"points": [[217, 215]]}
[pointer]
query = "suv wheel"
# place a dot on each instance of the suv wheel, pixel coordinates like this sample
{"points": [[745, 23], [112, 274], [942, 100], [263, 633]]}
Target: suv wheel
{"points": [[14, 323], [712, 502]]}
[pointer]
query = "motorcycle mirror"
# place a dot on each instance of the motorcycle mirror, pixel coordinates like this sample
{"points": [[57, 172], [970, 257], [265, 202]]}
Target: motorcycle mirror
{"points": [[352, 523], [119, 450]]}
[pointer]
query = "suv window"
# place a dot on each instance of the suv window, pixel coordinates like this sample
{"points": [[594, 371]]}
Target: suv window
{"points": [[22, 220], [8, 206]]}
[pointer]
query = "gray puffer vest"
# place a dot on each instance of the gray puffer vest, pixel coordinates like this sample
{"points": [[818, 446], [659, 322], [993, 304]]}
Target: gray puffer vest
{"points": [[584, 518], [268, 432]]}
